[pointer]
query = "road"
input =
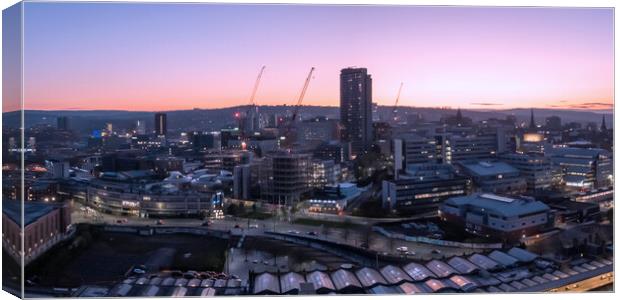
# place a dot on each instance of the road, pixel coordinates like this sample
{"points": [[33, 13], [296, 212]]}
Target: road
{"points": [[587, 284], [351, 236]]}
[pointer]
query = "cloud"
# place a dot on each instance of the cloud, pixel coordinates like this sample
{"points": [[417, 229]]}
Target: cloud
{"points": [[485, 103], [592, 105]]}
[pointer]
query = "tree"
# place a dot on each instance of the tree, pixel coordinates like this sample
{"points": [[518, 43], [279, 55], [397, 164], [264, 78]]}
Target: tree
{"points": [[241, 209], [232, 209]]}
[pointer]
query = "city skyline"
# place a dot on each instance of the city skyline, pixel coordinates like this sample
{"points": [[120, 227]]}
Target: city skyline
{"points": [[157, 57]]}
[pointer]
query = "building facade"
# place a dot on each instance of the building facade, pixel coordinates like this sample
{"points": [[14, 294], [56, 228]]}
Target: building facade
{"points": [[490, 215], [356, 108]]}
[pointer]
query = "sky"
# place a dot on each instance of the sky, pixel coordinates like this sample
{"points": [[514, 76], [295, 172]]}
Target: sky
{"points": [[182, 56]]}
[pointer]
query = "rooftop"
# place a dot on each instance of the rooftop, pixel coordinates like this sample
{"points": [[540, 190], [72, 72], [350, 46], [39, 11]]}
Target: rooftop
{"points": [[32, 211], [488, 168], [505, 206]]}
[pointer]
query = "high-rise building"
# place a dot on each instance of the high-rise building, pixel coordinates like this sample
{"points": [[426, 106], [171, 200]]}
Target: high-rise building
{"points": [[161, 124], [62, 123], [140, 127], [356, 108]]}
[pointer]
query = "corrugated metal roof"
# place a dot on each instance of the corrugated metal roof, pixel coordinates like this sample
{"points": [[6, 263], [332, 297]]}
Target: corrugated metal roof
{"points": [[394, 274], [369, 277], [413, 288], [463, 283], [320, 280], [462, 265], [483, 262], [522, 254], [418, 272], [290, 282], [503, 258], [440, 268], [266, 284], [343, 279]]}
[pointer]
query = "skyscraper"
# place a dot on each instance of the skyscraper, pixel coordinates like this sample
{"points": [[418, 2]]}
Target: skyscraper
{"points": [[160, 124], [62, 123], [356, 108]]}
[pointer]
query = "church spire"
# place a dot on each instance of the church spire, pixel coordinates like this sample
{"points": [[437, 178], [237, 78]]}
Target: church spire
{"points": [[532, 123], [459, 115], [603, 125]]}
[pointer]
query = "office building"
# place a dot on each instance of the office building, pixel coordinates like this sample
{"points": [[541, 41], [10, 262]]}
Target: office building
{"points": [[324, 172], [455, 147], [140, 127], [161, 124], [284, 177], [538, 171], [62, 123], [356, 108], [414, 149], [242, 181], [423, 188], [583, 168], [490, 215], [494, 177]]}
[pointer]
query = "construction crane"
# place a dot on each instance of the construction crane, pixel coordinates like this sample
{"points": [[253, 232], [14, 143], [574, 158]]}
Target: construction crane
{"points": [[252, 105], [289, 126], [395, 109]]}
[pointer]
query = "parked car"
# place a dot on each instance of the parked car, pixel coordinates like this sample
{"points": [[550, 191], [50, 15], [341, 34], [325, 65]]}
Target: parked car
{"points": [[312, 233], [160, 222], [253, 225]]}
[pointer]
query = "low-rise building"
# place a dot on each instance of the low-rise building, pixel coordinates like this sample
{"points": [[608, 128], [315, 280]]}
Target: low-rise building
{"points": [[117, 194], [583, 168], [423, 188], [506, 218], [494, 177], [44, 226], [538, 171]]}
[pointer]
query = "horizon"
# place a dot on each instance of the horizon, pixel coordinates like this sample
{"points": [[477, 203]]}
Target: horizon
{"points": [[162, 57], [611, 111]]}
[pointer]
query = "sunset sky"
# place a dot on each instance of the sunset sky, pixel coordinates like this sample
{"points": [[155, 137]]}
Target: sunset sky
{"points": [[182, 56]]}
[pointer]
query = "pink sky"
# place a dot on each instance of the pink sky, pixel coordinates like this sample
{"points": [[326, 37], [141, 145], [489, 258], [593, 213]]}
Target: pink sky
{"points": [[166, 57]]}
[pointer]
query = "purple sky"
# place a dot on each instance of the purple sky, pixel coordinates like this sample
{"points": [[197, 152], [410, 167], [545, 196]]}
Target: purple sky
{"points": [[180, 56]]}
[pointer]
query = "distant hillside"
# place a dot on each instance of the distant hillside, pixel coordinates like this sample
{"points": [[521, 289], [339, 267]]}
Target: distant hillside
{"points": [[214, 119]]}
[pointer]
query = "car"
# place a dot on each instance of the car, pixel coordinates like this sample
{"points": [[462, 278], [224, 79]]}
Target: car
{"points": [[160, 222], [436, 251], [138, 271], [207, 223], [402, 249], [265, 262], [312, 233], [237, 226], [255, 261], [293, 232], [253, 225]]}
